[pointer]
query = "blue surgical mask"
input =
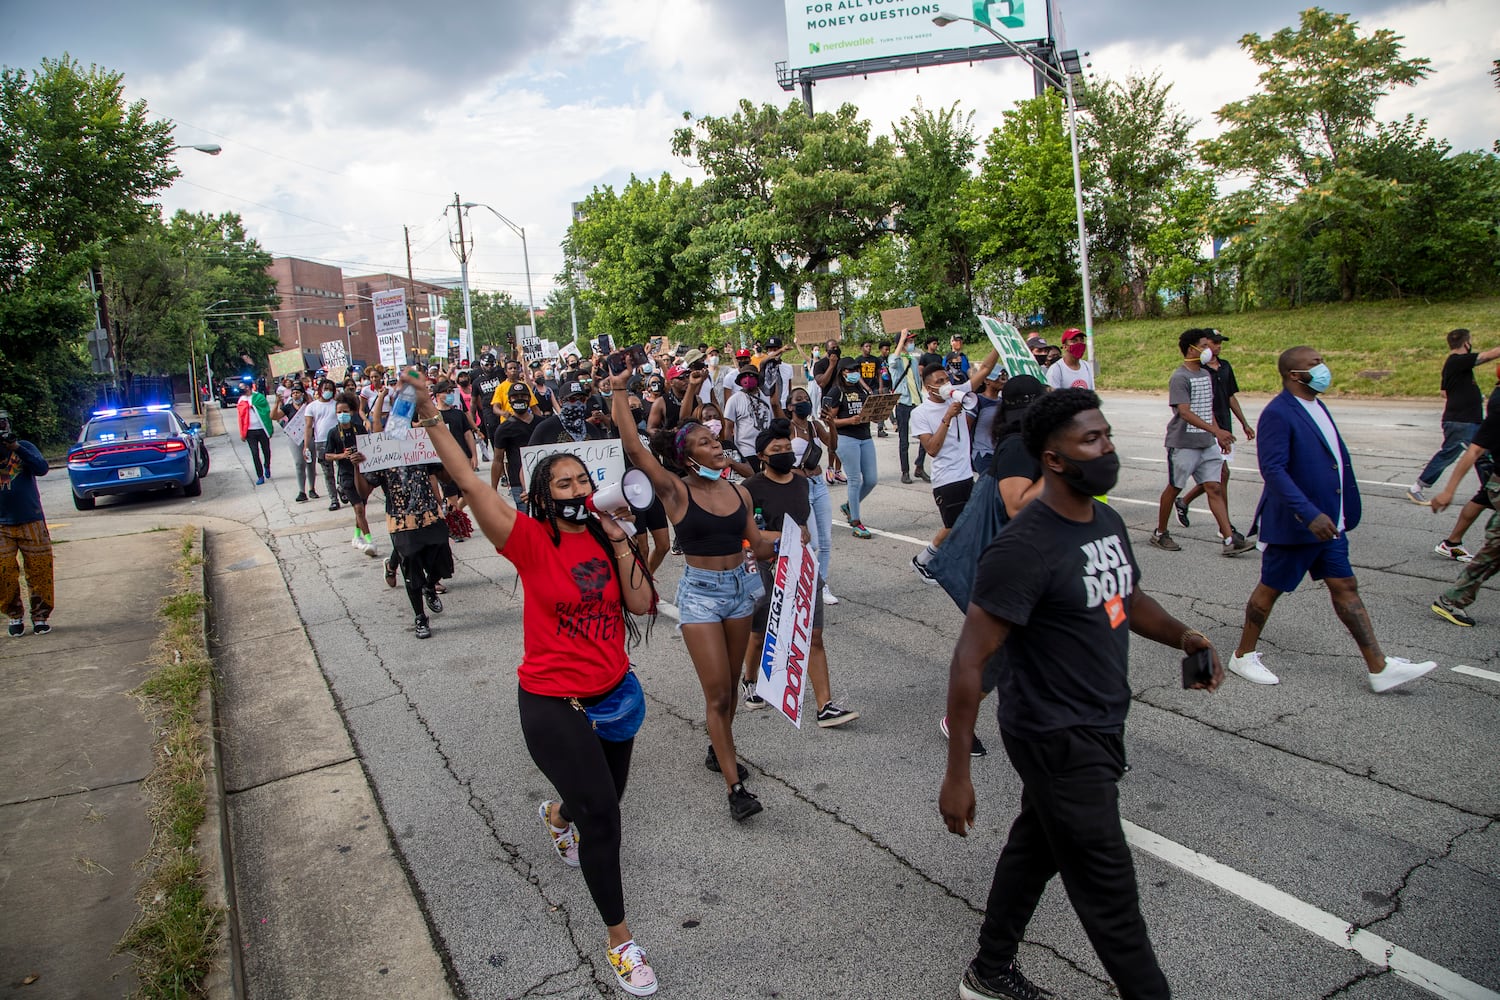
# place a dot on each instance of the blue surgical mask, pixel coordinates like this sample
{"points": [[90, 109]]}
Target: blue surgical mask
{"points": [[706, 472], [453, 398], [648, 368], [1321, 378], [345, 418]]}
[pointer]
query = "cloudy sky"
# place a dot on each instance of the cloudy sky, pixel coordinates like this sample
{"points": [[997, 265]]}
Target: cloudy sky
{"points": [[341, 122]]}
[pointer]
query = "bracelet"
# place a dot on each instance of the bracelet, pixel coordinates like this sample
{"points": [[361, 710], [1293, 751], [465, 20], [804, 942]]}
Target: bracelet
{"points": [[429, 421], [1182, 642]]}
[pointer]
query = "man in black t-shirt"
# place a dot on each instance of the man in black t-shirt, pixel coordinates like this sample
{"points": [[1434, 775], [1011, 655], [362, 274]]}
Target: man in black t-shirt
{"points": [[1463, 408], [510, 438], [1059, 590], [1486, 562], [485, 381]]}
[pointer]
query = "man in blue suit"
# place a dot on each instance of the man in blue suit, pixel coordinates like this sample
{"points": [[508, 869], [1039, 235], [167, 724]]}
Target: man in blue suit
{"points": [[1308, 506]]}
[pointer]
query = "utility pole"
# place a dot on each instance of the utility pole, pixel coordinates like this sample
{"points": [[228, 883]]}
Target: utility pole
{"points": [[462, 249], [573, 314], [411, 292]]}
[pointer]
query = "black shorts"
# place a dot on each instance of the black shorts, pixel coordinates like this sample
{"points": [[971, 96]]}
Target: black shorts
{"points": [[653, 518], [951, 499]]}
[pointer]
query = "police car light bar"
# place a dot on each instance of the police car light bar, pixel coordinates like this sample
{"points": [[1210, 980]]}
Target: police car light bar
{"points": [[158, 407], [106, 413]]}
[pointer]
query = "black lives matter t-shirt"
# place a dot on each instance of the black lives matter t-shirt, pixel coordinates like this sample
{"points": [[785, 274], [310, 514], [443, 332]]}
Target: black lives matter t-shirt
{"points": [[1465, 403], [1066, 589], [848, 401], [485, 385]]}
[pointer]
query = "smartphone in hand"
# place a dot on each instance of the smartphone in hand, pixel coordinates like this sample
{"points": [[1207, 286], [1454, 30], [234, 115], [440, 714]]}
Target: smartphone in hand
{"points": [[1198, 668]]}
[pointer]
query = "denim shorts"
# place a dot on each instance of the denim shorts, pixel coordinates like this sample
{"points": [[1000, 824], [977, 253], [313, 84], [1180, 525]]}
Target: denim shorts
{"points": [[709, 596]]}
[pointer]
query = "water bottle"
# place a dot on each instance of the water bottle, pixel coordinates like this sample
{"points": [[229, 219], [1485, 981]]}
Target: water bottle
{"points": [[403, 408], [751, 567]]}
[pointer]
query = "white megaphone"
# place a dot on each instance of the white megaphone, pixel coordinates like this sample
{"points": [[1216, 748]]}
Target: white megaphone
{"points": [[960, 394], [633, 490]]}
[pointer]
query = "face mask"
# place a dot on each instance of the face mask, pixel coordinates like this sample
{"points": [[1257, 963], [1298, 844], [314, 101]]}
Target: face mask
{"points": [[1079, 350], [327, 393], [802, 409], [522, 407], [781, 463], [715, 427], [1322, 378], [1093, 477], [713, 359], [364, 383], [648, 368], [1207, 355], [573, 511], [750, 384], [345, 418], [706, 472], [852, 378], [453, 398]]}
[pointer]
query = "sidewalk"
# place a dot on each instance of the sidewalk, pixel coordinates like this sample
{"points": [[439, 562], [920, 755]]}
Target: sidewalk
{"points": [[74, 749]]}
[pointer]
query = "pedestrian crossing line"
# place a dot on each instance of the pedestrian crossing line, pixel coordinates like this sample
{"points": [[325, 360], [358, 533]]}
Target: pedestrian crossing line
{"points": [[1488, 675], [1373, 948], [1256, 472]]}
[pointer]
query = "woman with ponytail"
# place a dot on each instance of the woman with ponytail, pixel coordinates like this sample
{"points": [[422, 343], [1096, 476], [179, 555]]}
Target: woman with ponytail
{"points": [[580, 703]]}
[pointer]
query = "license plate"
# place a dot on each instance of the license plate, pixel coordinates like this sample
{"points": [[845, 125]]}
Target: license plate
{"points": [[131, 473]]}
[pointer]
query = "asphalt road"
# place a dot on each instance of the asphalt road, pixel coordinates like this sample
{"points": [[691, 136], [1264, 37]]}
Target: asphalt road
{"points": [[1323, 805]]}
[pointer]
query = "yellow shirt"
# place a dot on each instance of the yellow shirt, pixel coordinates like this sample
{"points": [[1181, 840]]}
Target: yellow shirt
{"points": [[502, 398]]}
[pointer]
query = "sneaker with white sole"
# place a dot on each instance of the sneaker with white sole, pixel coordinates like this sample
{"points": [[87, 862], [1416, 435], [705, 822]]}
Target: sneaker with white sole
{"points": [[1398, 670], [1444, 608], [564, 840], [17, 628], [833, 714], [752, 700], [923, 572], [828, 597], [1250, 668], [1008, 985], [1416, 495], [1454, 551], [976, 749], [632, 972]]}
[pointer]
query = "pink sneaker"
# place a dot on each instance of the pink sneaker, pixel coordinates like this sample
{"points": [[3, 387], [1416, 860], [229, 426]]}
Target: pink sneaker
{"points": [[565, 840], [634, 974]]}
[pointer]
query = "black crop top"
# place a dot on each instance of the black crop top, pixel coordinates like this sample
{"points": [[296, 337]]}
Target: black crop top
{"points": [[702, 533]]}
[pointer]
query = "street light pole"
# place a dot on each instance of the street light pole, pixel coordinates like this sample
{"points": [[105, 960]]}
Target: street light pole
{"points": [[462, 249], [525, 258], [1066, 79], [208, 353]]}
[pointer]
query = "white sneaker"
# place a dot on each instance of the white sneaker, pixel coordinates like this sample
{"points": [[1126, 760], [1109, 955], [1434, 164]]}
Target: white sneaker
{"points": [[1250, 668], [357, 542], [828, 597], [1398, 670], [367, 547]]}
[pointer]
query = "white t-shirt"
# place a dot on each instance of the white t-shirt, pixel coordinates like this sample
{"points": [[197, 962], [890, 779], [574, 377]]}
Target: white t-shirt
{"points": [[256, 424], [751, 415], [952, 462], [324, 416], [1060, 376], [1331, 438]]}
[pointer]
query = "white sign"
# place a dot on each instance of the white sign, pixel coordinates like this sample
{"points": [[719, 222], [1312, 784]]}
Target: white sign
{"points": [[570, 349], [390, 311], [550, 349], [783, 661], [1015, 357], [726, 318], [823, 32], [392, 349], [334, 356], [440, 339], [605, 460], [390, 449], [465, 345], [295, 430]]}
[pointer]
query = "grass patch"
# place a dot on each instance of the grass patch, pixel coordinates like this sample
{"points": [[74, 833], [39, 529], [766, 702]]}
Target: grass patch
{"points": [[176, 937], [1393, 348]]}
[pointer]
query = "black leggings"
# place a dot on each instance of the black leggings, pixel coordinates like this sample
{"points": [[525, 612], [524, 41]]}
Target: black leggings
{"points": [[589, 774], [260, 445], [418, 569]]}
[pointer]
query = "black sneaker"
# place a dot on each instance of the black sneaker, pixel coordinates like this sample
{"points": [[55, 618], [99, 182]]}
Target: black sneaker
{"points": [[833, 714], [434, 602], [300, 498], [334, 505], [40, 628], [1008, 985], [712, 763], [923, 572], [676, 545], [423, 630], [1237, 543], [976, 749], [1182, 512], [906, 478], [922, 475], [17, 628], [313, 495], [742, 804], [1164, 540]]}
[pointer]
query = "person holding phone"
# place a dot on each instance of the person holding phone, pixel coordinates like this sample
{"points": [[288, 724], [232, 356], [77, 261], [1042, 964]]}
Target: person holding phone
{"points": [[1059, 592], [714, 523], [583, 584]]}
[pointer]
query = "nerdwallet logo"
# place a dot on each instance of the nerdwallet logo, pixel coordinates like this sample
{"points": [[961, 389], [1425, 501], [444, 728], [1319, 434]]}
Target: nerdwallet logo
{"points": [[814, 48]]}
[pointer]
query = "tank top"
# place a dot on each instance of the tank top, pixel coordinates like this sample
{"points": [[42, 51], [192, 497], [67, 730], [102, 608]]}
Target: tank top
{"points": [[702, 533]]}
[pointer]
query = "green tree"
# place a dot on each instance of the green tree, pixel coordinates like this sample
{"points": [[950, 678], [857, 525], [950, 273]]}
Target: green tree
{"points": [[561, 305], [496, 316], [632, 250], [1020, 213], [78, 166], [788, 195]]}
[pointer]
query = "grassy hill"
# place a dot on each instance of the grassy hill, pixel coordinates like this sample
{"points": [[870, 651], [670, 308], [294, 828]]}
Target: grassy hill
{"points": [[1392, 348]]}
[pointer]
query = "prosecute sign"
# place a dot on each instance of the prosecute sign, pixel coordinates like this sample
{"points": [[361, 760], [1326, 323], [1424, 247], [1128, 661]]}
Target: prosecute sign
{"points": [[605, 460]]}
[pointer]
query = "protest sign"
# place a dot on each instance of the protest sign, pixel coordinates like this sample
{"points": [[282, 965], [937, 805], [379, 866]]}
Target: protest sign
{"points": [[550, 349], [879, 406], [605, 460], [570, 348], [334, 357], [440, 339], [465, 345], [390, 311], [783, 659], [816, 327], [1015, 358], [390, 449], [286, 362], [295, 429], [529, 344], [896, 320], [392, 349]]}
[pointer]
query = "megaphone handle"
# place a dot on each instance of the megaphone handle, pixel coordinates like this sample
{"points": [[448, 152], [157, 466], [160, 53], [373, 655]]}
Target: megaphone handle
{"points": [[626, 526]]}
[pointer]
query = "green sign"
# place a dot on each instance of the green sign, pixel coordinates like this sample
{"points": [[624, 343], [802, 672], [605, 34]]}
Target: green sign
{"points": [[1015, 357]]}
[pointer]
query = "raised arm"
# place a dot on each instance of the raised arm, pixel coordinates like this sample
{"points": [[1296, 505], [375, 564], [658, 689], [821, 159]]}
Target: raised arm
{"points": [[665, 483], [978, 373]]}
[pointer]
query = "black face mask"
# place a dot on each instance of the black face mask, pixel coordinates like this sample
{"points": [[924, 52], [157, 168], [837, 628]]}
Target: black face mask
{"points": [[574, 511], [781, 463], [1092, 477], [802, 409]]}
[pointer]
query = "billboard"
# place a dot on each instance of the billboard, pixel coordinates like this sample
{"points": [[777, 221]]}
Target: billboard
{"points": [[826, 32], [390, 311]]}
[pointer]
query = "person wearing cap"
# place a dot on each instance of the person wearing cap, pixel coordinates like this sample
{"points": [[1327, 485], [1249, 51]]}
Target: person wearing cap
{"points": [[485, 382], [957, 361], [1226, 403], [729, 381], [906, 374], [1038, 348], [571, 423], [842, 408], [510, 438], [1071, 371], [666, 410], [748, 412], [942, 430], [986, 410], [514, 375]]}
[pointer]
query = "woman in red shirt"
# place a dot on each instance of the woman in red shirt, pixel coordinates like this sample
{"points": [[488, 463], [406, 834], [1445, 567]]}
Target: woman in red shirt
{"points": [[580, 703]]}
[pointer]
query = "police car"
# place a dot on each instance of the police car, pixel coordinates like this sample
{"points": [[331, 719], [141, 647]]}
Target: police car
{"points": [[133, 450]]}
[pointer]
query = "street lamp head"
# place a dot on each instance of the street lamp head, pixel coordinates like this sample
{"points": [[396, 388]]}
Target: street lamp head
{"points": [[211, 148], [943, 20]]}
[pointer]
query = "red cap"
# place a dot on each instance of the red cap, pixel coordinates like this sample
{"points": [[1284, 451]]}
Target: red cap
{"points": [[676, 371], [743, 352]]}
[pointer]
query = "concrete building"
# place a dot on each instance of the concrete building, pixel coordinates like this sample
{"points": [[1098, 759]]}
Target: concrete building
{"points": [[424, 301]]}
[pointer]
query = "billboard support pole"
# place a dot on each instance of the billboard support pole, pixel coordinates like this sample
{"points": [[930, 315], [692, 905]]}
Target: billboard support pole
{"points": [[807, 100]]}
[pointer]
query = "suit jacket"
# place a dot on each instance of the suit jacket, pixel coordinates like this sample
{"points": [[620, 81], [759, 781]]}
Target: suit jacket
{"points": [[1302, 478]]}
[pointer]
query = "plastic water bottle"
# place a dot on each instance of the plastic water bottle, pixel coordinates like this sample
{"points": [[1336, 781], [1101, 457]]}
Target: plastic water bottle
{"points": [[403, 408]]}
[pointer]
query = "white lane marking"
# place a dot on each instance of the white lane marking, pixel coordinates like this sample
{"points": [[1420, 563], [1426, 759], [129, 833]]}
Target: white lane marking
{"points": [[1236, 468], [899, 538], [1488, 675], [1337, 931]]}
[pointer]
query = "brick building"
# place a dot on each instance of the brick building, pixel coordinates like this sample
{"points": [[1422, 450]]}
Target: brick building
{"points": [[423, 299], [312, 296]]}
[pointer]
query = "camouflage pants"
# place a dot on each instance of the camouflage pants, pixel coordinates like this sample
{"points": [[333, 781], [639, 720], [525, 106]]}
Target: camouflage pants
{"points": [[1486, 562], [33, 545]]}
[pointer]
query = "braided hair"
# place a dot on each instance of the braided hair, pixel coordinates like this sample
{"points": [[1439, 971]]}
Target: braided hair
{"points": [[542, 507]]}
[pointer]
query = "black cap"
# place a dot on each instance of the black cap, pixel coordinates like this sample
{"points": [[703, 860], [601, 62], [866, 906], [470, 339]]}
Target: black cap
{"points": [[520, 392], [1216, 337], [772, 343], [848, 364], [1021, 391], [574, 389], [1036, 342]]}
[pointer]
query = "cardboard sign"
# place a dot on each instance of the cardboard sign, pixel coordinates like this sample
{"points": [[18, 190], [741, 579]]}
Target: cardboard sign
{"points": [[390, 311], [286, 362], [879, 406], [781, 678], [334, 356], [1015, 358], [896, 320], [390, 449], [605, 460], [816, 327]]}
